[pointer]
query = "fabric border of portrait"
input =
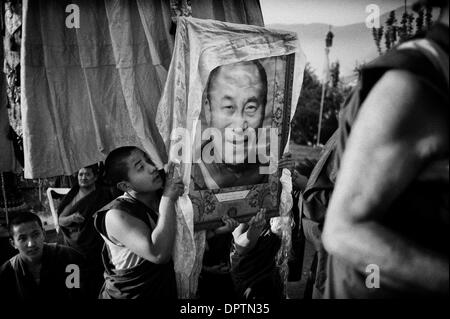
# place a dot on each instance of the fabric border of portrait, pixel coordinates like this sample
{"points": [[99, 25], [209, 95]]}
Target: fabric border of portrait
{"points": [[256, 196]]}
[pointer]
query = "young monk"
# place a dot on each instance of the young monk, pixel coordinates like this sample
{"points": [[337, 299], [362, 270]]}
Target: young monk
{"points": [[39, 270], [138, 228]]}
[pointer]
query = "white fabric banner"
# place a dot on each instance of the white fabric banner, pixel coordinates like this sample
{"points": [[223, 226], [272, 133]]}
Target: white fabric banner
{"points": [[200, 46]]}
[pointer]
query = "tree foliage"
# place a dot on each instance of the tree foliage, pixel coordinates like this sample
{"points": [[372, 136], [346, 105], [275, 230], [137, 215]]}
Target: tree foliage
{"points": [[306, 118], [395, 33]]}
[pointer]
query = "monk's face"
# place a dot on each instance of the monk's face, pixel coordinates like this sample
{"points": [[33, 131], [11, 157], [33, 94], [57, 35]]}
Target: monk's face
{"points": [[86, 178], [28, 239], [143, 176], [236, 104]]}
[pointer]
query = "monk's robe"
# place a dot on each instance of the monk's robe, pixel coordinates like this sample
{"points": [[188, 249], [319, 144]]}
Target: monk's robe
{"points": [[127, 275], [255, 273], [82, 236], [16, 282], [216, 269]]}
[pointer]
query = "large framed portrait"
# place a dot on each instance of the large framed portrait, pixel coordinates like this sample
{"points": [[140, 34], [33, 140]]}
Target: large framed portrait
{"points": [[242, 130], [225, 112], [225, 116]]}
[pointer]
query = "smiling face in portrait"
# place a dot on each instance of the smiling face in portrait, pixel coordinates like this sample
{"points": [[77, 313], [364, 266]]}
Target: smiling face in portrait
{"points": [[236, 101], [143, 176]]}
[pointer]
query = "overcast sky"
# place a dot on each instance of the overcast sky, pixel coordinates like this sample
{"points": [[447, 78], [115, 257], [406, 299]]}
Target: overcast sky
{"points": [[334, 12]]}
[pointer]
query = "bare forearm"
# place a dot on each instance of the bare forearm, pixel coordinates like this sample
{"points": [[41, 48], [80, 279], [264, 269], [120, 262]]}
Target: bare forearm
{"points": [[164, 233], [402, 264], [377, 167], [65, 218]]}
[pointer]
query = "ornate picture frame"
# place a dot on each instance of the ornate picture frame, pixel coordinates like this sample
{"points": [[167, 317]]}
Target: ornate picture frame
{"points": [[244, 201]]}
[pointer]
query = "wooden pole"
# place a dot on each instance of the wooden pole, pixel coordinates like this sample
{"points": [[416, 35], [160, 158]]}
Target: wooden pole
{"points": [[40, 191], [4, 198], [322, 101]]}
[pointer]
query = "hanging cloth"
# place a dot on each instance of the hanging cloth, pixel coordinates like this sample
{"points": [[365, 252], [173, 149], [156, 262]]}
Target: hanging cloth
{"points": [[200, 46], [89, 90]]}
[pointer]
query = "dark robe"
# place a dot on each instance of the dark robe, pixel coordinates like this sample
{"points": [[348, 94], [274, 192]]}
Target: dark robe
{"points": [[255, 273], [146, 280], [82, 236], [217, 252], [16, 283], [314, 203]]}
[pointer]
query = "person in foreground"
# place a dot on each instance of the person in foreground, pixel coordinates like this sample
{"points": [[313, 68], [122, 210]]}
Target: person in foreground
{"points": [[138, 228], [39, 271], [387, 223]]}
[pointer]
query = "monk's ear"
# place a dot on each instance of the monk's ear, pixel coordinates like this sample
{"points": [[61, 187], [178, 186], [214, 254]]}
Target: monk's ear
{"points": [[11, 242], [124, 186]]}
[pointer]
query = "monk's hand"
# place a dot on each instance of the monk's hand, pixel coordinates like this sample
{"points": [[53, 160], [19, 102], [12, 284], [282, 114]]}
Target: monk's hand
{"points": [[174, 187], [229, 226], [77, 218], [257, 223], [287, 162]]}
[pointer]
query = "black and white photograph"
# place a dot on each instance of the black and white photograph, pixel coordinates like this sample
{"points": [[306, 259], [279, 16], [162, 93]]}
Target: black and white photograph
{"points": [[228, 158], [244, 109]]}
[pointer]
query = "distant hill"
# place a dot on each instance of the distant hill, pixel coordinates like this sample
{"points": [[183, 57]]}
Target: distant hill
{"points": [[352, 44]]}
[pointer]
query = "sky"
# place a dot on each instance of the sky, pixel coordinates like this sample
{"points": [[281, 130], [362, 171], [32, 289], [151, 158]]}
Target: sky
{"points": [[334, 12]]}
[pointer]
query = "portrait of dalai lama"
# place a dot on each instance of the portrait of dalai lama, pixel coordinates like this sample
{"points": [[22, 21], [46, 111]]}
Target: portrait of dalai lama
{"points": [[234, 104]]}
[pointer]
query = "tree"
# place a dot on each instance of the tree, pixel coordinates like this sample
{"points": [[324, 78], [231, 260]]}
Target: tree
{"points": [[428, 17], [391, 30], [410, 24], [420, 21], [335, 74], [395, 34], [403, 30], [306, 119], [377, 35], [304, 123]]}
